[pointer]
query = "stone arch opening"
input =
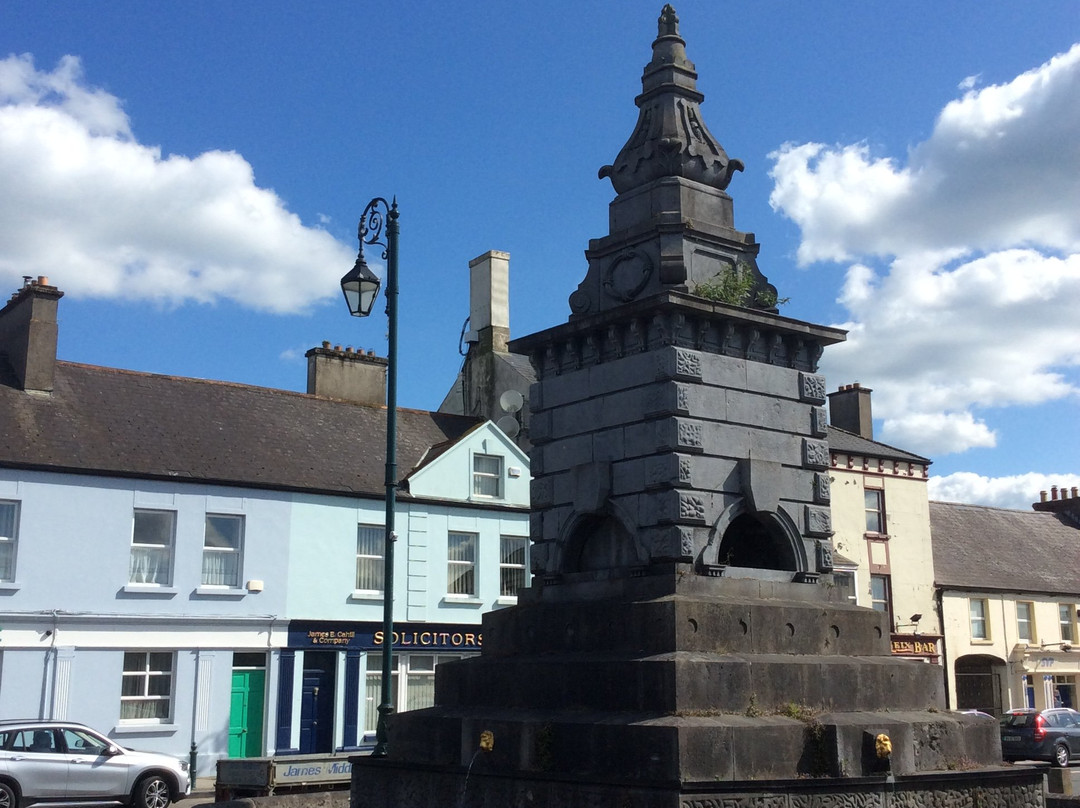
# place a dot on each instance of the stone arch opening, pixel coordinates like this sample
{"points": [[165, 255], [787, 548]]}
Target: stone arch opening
{"points": [[978, 683], [749, 541], [600, 542]]}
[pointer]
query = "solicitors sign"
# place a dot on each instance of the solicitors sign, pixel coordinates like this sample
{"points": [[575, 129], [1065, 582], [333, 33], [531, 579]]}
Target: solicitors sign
{"points": [[344, 635]]}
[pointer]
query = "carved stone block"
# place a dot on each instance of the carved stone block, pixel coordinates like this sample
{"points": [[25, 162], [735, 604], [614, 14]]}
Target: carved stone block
{"points": [[818, 521], [691, 436], [822, 488], [687, 364], [824, 556], [542, 492], [819, 422], [812, 388], [815, 454], [691, 508]]}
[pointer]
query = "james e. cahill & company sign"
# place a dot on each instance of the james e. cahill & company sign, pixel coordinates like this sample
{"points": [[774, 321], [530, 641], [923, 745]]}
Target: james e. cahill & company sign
{"points": [[345, 635]]}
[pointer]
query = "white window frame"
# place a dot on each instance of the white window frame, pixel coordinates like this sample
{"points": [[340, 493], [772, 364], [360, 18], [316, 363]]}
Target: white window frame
{"points": [[1025, 622], [459, 568], [366, 557], [979, 624], [211, 552], [169, 548], [482, 477], [145, 692], [9, 539], [1067, 622], [878, 510], [513, 568], [885, 600], [851, 573]]}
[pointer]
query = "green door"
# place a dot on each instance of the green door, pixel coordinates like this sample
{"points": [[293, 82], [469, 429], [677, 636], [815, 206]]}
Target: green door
{"points": [[246, 714]]}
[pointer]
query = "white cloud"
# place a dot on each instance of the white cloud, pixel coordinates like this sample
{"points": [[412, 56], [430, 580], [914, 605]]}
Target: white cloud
{"points": [[969, 82], [1018, 491], [964, 259], [1001, 169], [103, 215]]}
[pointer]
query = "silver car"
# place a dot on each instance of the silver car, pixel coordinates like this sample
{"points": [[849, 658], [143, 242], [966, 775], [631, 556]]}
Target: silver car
{"points": [[61, 762]]}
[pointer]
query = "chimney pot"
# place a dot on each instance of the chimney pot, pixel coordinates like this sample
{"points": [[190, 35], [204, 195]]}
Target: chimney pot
{"points": [[1074, 492], [43, 280], [1053, 492], [326, 343], [1042, 496]]}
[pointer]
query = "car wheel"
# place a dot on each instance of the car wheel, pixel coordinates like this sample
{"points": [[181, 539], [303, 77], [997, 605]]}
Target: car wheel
{"points": [[152, 792], [1061, 755], [7, 797]]}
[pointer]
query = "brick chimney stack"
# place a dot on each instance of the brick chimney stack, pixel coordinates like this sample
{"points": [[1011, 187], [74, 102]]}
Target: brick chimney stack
{"points": [[1061, 501], [849, 409], [347, 375], [28, 334]]}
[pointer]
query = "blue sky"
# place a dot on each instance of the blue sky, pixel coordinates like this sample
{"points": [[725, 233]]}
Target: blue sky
{"points": [[191, 174]]}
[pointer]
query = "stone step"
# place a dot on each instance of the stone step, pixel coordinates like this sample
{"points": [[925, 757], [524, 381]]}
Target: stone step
{"points": [[645, 748], [686, 682]]}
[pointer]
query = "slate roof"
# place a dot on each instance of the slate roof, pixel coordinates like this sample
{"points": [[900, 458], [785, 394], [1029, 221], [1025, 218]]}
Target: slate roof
{"points": [[119, 422], [977, 547], [840, 440]]}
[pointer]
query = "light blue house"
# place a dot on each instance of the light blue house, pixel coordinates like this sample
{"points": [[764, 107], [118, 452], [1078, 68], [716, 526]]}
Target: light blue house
{"points": [[187, 562]]}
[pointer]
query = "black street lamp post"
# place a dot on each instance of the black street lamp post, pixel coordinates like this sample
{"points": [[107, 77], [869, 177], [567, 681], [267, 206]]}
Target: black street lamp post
{"points": [[361, 286]]}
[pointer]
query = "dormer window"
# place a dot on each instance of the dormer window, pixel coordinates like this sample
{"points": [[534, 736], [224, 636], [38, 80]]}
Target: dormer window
{"points": [[487, 476]]}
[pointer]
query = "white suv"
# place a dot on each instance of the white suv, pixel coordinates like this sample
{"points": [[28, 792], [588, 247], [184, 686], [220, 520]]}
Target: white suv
{"points": [[60, 762]]}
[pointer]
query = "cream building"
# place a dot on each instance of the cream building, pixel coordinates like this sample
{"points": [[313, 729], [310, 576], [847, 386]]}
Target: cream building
{"points": [[881, 526], [1009, 596]]}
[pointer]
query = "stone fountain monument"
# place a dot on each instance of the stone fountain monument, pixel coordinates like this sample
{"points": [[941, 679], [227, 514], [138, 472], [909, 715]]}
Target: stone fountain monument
{"points": [[680, 644]]}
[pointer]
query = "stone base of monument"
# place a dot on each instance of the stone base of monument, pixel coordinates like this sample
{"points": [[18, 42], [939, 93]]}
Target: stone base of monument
{"points": [[662, 687], [403, 786]]}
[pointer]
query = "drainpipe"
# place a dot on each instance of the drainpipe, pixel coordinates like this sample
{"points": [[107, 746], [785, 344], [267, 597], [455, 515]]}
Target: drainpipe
{"points": [[939, 596]]}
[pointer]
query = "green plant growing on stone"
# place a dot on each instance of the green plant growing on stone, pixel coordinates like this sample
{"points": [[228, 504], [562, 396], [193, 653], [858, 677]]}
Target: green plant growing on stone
{"points": [[735, 286], [732, 285], [752, 710], [800, 712]]}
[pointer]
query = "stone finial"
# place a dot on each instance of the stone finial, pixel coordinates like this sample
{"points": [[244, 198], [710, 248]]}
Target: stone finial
{"points": [[668, 24], [670, 139]]}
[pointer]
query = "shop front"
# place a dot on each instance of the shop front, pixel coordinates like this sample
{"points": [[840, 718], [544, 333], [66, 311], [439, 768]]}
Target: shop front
{"points": [[330, 679]]}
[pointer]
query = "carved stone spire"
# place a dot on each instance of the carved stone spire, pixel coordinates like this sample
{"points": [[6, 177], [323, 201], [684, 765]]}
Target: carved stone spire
{"points": [[670, 139]]}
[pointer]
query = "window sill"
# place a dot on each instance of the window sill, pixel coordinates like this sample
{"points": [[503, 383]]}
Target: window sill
{"points": [[507, 600], [876, 536], [150, 590], [144, 729], [360, 596], [467, 601], [10, 586], [219, 592]]}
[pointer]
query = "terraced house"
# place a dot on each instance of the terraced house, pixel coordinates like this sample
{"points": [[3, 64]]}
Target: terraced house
{"points": [[199, 563]]}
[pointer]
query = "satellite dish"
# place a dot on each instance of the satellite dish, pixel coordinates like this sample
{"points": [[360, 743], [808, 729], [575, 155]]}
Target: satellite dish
{"points": [[511, 401], [509, 425]]}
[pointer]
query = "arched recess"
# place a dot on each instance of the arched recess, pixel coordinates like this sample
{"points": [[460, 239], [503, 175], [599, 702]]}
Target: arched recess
{"points": [[979, 680], [600, 541], [756, 540]]}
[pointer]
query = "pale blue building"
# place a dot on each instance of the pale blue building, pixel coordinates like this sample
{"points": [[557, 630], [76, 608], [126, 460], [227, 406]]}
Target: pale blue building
{"points": [[196, 562]]}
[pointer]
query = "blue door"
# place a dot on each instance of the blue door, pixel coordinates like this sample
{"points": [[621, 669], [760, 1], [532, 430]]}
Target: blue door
{"points": [[317, 703]]}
